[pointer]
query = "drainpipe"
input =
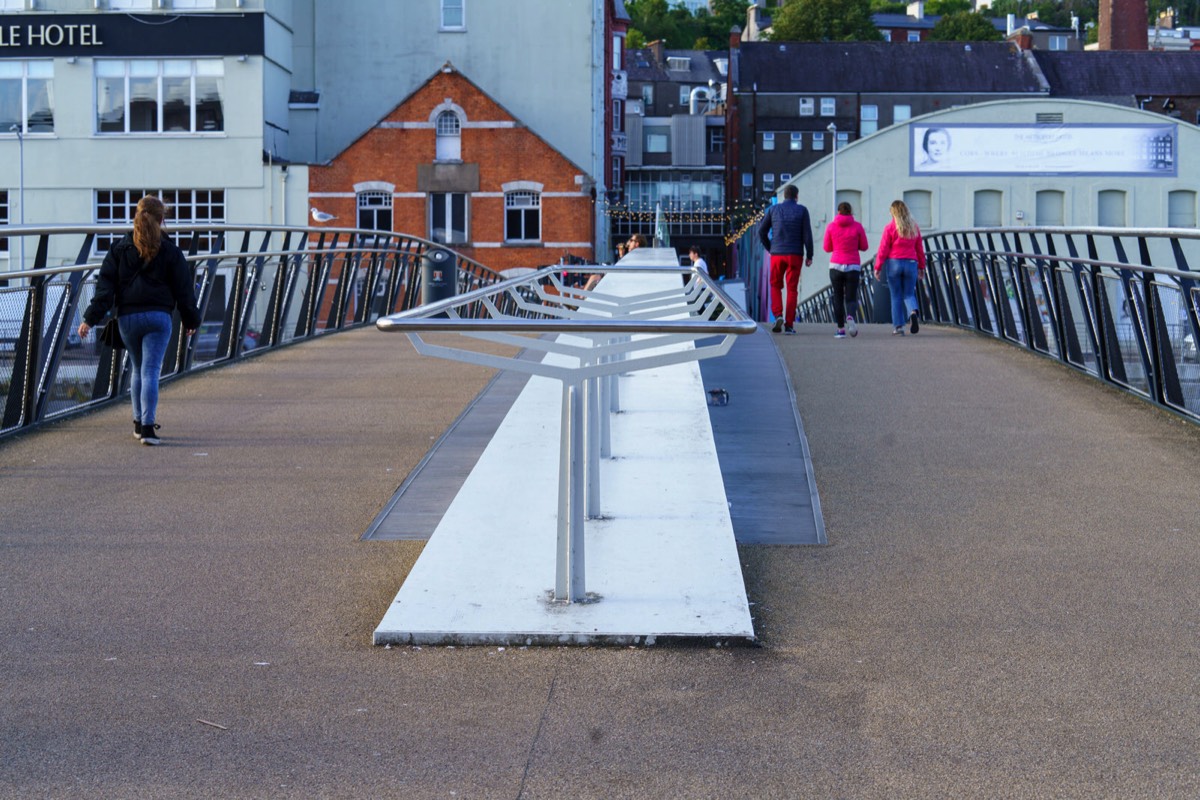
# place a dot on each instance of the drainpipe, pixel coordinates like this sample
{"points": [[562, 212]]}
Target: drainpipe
{"points": [[283, 193]]}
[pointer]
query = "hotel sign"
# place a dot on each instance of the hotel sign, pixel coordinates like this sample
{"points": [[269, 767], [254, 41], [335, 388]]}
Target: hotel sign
{"points": [[1136, 150], [117, 35]]}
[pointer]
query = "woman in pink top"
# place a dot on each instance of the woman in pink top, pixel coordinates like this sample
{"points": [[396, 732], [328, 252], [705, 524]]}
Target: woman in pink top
{"points": [[902, 254], [845, 238]]}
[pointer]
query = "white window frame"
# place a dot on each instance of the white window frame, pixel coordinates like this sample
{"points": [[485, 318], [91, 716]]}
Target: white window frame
{"points": [[36, 70], [685, 95], [768, 181], [448, 129], [455, 8], [768, 140], [662, 141], [647, 95], [523, 201], [808, 107], [796, 141], [372, 203], [887, 35], [843, 139], [184, 207], [828, 106], [899, 115], [1057, 42], [914, 36], [160, 70], [868, 121], [618, 52], [784, 177], [448, 199], [716, 139], [818, 140]]}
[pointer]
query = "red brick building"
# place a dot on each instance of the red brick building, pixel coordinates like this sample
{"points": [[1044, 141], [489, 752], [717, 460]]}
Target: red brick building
{"points": [[450, 164]]}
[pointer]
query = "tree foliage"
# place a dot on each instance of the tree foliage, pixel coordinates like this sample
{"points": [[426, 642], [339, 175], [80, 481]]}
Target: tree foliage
{"points": [[824, 21], [965, 26], [940, 7], [652, 20]]}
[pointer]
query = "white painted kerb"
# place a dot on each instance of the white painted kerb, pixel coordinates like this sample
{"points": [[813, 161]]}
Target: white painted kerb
{"points": [[664, 562]]}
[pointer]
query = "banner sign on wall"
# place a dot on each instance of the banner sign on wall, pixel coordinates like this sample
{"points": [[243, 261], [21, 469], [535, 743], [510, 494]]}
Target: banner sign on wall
{"points": [[104, 35], [1147, 150]]}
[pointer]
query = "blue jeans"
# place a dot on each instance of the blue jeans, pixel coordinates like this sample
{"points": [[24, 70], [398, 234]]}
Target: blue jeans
{"points": [[902, 282], [146, 335]]}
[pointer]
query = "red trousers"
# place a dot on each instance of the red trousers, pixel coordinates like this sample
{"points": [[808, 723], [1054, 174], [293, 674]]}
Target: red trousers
{"points": [[785, 271]]}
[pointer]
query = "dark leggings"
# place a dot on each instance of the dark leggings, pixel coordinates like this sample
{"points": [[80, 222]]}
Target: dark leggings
{"points": [[845, 294]]}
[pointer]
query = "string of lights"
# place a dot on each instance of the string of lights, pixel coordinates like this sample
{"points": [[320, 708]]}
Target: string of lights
{"points": [[738, 218]]}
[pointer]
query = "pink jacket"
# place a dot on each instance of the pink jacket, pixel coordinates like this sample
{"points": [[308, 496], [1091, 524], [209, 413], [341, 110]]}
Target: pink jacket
{"points": [[892, 246], [844, 238]]}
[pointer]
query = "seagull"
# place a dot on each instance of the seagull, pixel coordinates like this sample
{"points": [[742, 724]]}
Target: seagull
{"points": [[321, 216]]}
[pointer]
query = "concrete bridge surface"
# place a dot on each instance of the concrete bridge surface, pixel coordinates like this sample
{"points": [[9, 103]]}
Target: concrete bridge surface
{"points": [[1007, 605]]}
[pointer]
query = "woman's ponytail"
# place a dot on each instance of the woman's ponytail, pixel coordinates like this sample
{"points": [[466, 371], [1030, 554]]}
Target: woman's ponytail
{"points": [[147, 227]]}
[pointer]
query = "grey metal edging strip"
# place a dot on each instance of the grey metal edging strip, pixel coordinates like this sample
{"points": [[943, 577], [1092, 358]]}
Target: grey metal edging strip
{"points": [[818, 516]]}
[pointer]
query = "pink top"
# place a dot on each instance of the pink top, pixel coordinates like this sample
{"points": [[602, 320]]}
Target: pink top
{"points": [[844, 238], [892, 246]]}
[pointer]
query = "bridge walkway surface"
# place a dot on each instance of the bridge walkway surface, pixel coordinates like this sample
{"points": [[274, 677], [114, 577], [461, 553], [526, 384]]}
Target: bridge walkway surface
{"points": [[1006, 606]]}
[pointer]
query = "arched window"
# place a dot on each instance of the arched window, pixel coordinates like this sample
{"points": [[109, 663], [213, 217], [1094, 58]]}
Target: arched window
{"points": [[920, 207], [1181, 209], [1050, 207], [1110, 208], [449, 137], [988, 208]]}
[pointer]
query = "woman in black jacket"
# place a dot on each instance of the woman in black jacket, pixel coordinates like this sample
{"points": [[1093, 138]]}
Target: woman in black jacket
{"points": [[146, 277]]}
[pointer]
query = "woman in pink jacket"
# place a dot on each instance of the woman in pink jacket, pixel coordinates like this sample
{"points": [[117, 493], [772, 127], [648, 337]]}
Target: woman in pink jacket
{"points": [[902, 254], [845, 239]]}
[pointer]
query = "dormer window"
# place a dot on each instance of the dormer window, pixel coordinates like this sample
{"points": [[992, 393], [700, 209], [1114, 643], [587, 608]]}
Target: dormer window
{"points": [[449, 137], [680, 64]]}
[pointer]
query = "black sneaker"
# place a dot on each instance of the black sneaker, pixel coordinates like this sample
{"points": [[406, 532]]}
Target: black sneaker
{"points": [[150, 434], [137, 429], [789, 330], [778, 326], [913, 325]]}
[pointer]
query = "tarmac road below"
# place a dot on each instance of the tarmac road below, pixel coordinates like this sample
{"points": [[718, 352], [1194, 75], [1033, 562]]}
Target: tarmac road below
{"points": [[1006, 606]]}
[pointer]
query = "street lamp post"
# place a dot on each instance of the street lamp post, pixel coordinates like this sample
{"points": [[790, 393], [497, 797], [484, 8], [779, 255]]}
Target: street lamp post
{"points": [[833, 163], [20, 187]]}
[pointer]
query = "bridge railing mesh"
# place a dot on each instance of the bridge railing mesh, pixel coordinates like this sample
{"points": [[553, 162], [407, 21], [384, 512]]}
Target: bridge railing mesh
{"points": [[1122, 305], [258, 288]]}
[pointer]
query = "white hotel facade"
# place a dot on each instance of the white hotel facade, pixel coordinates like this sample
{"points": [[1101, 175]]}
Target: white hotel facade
{"points": [[220, 105]]}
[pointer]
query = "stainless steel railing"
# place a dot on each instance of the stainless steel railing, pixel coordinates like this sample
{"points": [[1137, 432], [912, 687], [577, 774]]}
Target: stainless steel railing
{"points": [[1119, 304], [258, 287]]}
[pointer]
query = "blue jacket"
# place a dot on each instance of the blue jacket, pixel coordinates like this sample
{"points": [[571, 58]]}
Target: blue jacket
{"points": [[789, 229]]}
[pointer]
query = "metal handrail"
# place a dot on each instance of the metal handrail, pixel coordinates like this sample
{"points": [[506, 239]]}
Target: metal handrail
{"points": [[273, 286], [1076, 295]]}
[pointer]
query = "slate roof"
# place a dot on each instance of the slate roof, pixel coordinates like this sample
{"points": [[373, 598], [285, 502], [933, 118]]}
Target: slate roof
{"points": [[887, 21], [921, 67], [640, 66], [1120, 72]]}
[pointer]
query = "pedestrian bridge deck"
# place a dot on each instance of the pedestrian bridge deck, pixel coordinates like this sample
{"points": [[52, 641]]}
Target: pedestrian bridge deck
{"points": [[1006, 604]]}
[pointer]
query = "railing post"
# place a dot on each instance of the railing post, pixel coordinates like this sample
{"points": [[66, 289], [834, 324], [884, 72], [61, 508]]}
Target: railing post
{"points": [[569, 562]]}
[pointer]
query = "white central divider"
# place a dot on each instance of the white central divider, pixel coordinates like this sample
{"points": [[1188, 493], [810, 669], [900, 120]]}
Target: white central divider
{"points": [[661, 557]]}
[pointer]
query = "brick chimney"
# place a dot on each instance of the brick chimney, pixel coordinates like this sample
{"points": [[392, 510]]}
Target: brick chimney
{"points": [[659, 50], [735, 37], [1123, 25]]}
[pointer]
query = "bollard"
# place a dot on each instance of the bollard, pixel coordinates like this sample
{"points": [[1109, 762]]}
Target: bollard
{"points": [[438, 276]]}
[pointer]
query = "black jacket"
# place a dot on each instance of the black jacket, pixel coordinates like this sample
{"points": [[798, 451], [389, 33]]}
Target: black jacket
{"points": [[166, 282]]}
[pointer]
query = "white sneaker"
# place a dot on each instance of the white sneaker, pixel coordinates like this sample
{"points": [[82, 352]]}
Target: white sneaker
{"points": [[851, 326]]}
